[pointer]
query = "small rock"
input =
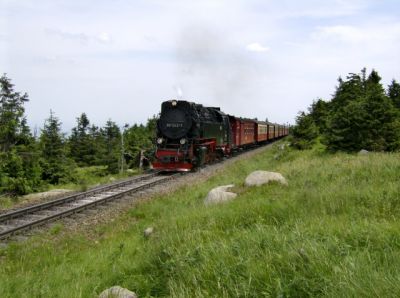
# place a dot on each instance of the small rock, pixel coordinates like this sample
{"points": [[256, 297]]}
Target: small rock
{"points": [[117, 292], [148, 232], [220, 194], [262, 177], [363, 151]]}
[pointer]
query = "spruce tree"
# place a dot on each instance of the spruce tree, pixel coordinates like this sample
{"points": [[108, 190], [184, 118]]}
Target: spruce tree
{"points": [[13, 128], [112, 141], [362, 116], [345, 127], [55, 164], [319, 111], [97, 145], [305, 132], [81, 145], [394, 93], [382, 118], [20, 170]]}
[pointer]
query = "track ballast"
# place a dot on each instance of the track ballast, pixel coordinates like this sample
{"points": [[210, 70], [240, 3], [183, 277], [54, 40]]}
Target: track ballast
{"points": [[16, 221]]}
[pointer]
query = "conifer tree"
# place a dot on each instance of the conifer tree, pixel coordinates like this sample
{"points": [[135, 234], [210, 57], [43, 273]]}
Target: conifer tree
{"points": [[81, 145], [112, 137], [394, 93], [319, 111], [13, 128], [305, 132], [19, 168], [362, 116], [382, 121], [345, 127], [55, 164]]}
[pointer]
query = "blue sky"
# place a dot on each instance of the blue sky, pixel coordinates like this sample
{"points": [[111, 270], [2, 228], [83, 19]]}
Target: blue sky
{"points": [[258, 58]]}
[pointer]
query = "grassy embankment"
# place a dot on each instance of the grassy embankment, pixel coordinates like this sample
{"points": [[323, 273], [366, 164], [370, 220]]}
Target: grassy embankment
{"points": [[85, 177], [334, 231]]}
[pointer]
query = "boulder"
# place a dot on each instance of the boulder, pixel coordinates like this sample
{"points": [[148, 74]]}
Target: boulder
{"points": [[262, 177], [117, 292], [220, 194], [148, 232], [363, 151]]}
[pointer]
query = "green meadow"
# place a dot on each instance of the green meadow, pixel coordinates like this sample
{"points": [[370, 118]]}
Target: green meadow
{"points": [[332, 232]]}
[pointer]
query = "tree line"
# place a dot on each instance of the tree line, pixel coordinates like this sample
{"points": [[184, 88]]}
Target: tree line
{"points": [[362, 114], [29, 162]]}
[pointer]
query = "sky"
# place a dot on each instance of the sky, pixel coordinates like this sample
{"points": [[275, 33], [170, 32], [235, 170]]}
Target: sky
{"points": [[253, 58]]}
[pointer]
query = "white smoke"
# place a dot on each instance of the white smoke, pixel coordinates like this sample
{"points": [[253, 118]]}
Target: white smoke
{"points": [[218, 63], [178, 91]]}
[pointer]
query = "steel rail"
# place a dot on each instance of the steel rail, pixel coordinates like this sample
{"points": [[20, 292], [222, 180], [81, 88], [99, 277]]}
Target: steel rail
{"points": [[75, 209], [24, 211]]}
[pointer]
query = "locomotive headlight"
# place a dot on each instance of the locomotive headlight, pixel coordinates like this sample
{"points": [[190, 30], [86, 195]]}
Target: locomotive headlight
{"points": [[182, 141], [159, 141], [174, 103]]}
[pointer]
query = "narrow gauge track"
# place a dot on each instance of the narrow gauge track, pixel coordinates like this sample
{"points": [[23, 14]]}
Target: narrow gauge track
{"points": [[16, 221]]}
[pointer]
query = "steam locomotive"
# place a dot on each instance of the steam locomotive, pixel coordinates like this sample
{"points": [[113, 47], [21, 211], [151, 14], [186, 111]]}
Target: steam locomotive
{"points": [[190, 135]]}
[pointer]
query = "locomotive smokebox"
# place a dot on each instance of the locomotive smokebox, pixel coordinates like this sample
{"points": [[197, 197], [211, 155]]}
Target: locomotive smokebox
{"points": [[175, 120]]}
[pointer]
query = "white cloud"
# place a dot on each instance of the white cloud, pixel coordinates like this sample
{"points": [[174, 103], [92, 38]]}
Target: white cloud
{"points": [[104, 37], [256, 47]]}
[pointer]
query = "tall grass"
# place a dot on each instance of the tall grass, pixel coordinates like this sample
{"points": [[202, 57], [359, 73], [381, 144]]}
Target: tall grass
{"points": [[333, 231]]}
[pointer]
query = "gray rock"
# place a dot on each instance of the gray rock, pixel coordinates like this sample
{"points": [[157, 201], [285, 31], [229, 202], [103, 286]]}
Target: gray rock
{"points": [[117, 292], [262, 177], [363, 151], [148, 232], [220, 194]]}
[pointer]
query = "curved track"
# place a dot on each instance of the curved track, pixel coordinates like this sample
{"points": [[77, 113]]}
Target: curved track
{"points": [[14, 222]]}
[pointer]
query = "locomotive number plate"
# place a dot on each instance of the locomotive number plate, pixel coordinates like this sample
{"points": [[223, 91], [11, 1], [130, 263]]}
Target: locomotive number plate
{"points": [[174, 125]]}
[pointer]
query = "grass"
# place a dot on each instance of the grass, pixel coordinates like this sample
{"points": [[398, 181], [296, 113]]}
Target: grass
{"points": [[333, 232], [86, 178]]}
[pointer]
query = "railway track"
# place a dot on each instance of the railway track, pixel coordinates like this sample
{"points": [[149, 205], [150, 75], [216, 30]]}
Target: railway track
{"points": [[17, 221], [20, 220]]}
